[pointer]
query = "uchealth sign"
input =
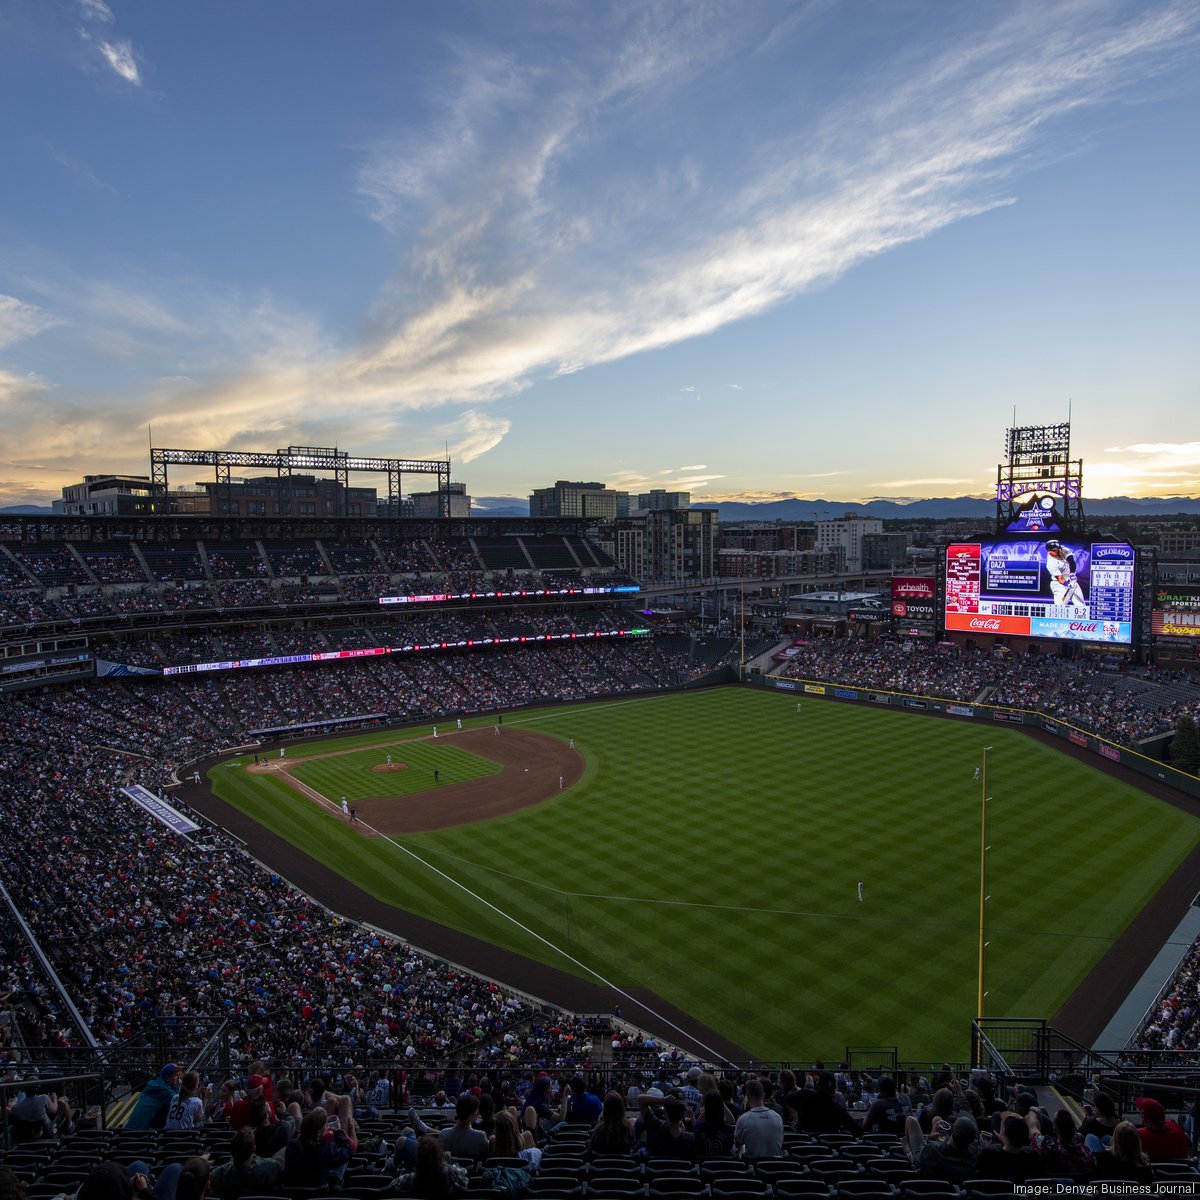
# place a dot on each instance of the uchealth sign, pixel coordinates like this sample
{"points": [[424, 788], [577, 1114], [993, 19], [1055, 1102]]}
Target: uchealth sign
{"points": [[913, 587]]}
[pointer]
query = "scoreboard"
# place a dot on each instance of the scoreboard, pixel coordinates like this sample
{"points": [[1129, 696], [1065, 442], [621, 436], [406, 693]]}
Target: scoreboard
{"points": [[1050, 586]]}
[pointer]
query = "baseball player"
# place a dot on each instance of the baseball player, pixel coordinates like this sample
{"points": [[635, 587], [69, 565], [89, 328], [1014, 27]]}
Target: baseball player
{"points": [[1064, 587]]}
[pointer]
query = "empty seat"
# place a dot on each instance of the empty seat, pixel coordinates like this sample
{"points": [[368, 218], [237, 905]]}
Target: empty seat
{"points": [[930, 1189], [734, 1185], [615, 1185], [801, 1189], [678, 1185]]}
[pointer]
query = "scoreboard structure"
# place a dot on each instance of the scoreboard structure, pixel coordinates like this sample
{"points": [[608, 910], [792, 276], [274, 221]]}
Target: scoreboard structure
{"points": [[1038, 574]]}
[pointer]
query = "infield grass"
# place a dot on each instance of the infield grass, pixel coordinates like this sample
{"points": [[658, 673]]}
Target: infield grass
{"points": [[712, 849]]}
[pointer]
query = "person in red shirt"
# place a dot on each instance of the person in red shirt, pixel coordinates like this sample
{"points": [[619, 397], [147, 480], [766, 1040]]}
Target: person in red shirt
{"points": [[1160, 1138]]}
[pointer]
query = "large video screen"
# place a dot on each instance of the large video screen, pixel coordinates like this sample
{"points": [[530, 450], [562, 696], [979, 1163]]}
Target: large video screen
{"points": [[1050, 586]]}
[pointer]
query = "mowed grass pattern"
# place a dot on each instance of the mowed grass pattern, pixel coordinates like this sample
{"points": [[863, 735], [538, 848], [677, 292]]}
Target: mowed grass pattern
{"points": [[712, 850]]}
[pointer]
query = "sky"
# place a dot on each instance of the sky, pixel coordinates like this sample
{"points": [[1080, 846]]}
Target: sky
{"points": [[751, 251]]}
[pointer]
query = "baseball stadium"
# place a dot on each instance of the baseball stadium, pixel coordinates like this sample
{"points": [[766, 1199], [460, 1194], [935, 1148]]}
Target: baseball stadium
{"points": [[446, 814]]}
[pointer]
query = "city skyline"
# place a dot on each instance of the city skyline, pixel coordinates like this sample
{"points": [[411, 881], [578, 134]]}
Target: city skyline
{"points": [[753, 253]]}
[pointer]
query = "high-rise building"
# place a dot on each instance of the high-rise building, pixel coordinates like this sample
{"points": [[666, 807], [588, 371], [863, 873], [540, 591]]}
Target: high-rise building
{"points": [[428, 504], [589, 501], [673, 545], [848, 532], [884, 551], [109, 496], [656, 499]]}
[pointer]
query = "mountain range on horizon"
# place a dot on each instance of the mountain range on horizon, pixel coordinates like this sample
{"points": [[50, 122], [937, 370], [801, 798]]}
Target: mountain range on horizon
{"points": [[934, 508]]}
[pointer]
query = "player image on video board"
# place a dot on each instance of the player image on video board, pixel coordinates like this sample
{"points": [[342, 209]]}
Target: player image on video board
{"points": [[1065, 586]]}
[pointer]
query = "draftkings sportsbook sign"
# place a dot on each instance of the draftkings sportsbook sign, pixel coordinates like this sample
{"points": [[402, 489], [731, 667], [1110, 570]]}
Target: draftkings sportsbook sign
{"points": [[1176, 612]]}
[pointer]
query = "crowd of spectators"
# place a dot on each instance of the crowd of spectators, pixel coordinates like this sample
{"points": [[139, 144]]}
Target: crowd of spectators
{"points": [[159, 926], [1174, 1021], [1080, 691], [177, 929]]}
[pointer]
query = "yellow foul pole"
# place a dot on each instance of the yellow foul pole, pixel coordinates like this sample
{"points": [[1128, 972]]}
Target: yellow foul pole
{"points": [[983, 880]]}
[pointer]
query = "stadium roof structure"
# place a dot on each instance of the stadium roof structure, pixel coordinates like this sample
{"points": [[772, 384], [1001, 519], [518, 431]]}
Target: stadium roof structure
{"points": [[291, 459]]}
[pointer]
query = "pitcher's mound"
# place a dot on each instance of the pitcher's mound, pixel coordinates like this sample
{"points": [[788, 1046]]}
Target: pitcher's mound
{"points": [[383, 768]]}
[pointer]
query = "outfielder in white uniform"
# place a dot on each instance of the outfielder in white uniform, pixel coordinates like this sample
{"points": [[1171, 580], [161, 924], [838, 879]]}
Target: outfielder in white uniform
{"points": [[1064, 587]]}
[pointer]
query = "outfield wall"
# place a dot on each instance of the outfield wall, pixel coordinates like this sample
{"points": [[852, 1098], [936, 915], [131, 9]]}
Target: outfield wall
{"points": [[1027, 718]]}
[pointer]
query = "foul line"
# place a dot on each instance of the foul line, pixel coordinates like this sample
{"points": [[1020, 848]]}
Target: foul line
{"points": [[940, 922], [716, 1054]]}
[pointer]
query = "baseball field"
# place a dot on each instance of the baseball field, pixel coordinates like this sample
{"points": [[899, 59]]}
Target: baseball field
{"points": [[708, 847]]}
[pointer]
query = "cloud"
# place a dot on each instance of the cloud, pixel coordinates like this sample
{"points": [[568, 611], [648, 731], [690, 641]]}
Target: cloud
{"points": [[96, 10], [19, 320], [119, 56], [1145, 468]]}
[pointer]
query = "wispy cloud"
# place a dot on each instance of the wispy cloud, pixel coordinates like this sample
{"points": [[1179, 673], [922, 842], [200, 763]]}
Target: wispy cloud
{"points": [[1146, 468], [96, 10], [19, 320], [118, 53], [119, 56]]}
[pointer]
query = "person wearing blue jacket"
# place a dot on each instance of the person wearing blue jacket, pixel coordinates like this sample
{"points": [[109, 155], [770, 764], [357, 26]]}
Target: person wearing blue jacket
{"points": [[150, 1112]]}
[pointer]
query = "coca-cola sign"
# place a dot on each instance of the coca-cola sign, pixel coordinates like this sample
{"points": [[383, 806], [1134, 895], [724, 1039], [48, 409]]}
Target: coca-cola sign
{"points": [[990, 624]]}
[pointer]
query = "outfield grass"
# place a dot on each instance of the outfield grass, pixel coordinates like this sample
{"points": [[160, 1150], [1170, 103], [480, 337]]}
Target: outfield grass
{"points": [[712, 849]]}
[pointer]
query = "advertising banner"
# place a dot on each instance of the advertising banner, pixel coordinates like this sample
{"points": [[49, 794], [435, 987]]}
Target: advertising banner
{"points": [[817, 689], [1176, 612], [913, 587]]}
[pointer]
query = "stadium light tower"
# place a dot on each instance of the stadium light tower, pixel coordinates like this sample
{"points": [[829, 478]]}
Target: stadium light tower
{"points": [[983, 892]]}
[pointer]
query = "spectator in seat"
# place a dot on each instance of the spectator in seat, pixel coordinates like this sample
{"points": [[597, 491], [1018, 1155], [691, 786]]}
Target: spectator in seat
{"points": [[714, 1131], [950, 1152], [1160, 1138], [759, 1130], [510, 1141], [150, 1111], [886, 1114], [1125, 1159], [614, 1131], [667, 1136], [1013, 1159], [10, 1186], [194, 1180], [579, 1106], [256, 1086], [1101, 1119], [42, 1114], [319, 1154], [1063, 1152], [433, 1178], [819, 1110], [246, 1174], [461, 1139]]}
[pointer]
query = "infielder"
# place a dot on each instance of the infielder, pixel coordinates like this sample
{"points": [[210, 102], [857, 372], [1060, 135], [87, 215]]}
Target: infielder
{"points": [[1064, 587]]}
